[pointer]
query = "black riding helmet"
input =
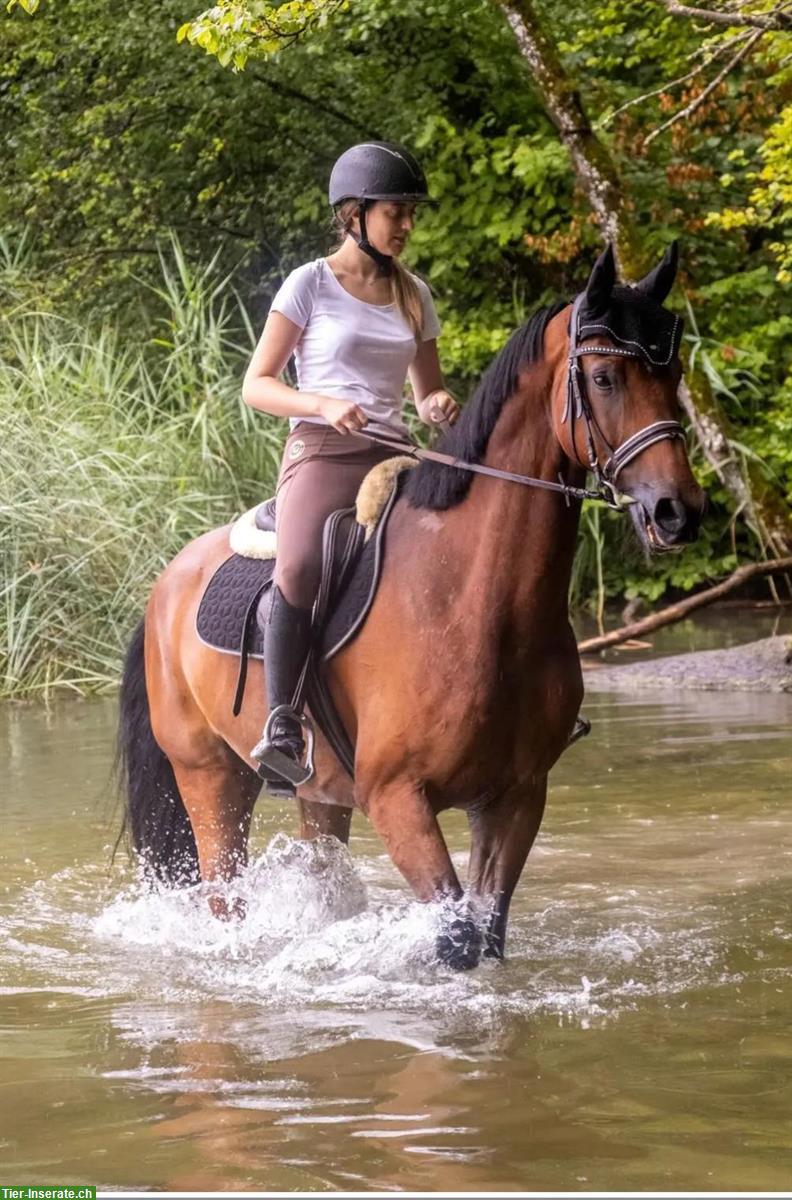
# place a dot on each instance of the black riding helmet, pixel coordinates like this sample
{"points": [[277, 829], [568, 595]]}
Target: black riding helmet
{"points": [[376, 171]]}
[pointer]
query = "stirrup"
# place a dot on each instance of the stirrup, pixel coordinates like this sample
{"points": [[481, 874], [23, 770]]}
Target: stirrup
{"points": [[273, 764], [582, 729]]}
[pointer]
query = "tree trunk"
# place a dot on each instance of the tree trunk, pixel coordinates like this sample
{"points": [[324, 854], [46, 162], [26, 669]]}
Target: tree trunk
{"points": [[762, 511], [593, 164], [598, 176]]}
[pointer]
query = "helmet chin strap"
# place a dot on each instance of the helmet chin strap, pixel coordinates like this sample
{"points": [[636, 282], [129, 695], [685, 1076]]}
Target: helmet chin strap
{"points": [[383, 261]]}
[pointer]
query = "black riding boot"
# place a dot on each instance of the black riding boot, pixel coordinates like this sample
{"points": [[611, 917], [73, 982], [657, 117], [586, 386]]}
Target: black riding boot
{"points": [[286, 645]]}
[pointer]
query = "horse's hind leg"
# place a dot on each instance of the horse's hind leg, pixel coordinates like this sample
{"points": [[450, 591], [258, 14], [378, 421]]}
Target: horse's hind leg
{"points": [[321, 820], [502, 835], [219, 799]]}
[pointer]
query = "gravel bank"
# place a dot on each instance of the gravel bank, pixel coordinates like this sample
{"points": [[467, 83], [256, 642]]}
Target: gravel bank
{"points": [[764, 666]]}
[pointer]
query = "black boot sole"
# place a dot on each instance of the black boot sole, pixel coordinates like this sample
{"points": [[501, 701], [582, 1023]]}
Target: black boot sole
{"points": [[276, 785], [283, 773]]}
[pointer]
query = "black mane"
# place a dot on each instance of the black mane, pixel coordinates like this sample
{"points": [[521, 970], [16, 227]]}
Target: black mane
{"points": [[432, 485]]}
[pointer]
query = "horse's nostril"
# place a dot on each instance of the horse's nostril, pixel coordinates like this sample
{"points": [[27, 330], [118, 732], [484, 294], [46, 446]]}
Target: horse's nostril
{"points": [[670, 515]]}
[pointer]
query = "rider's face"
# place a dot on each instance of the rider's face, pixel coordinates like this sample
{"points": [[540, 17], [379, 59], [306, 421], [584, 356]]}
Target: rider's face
{"points": [[389, 224]]}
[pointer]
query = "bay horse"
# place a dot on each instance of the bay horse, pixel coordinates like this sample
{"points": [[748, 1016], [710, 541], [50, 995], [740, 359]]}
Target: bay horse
{"points": [[463, 686]]}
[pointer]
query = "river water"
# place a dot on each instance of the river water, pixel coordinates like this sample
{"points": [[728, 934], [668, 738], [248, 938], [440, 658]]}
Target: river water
{"points": [[637, 1036]]}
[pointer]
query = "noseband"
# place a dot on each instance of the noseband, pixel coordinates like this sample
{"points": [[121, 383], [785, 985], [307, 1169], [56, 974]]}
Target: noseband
{"points": [[578, 405]]}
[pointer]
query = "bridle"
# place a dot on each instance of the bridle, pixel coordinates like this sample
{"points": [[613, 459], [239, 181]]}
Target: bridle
{"points": [[577, 406]]}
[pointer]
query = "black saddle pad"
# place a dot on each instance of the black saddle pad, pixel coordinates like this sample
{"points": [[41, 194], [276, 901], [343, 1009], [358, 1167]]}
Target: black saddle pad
{"points": [[235, 587], [226, 614]]}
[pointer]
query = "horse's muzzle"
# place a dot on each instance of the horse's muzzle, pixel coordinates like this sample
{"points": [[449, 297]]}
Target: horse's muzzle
{"points": [[666, 523]]}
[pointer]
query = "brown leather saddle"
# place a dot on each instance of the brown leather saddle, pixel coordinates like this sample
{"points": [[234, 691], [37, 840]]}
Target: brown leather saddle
{"points": [[351, 569]]}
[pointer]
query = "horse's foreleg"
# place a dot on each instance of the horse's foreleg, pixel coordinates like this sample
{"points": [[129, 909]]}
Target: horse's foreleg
{"points": [[403, 818], [405, 821], [219, 801], [502, 835], [321, 820]]}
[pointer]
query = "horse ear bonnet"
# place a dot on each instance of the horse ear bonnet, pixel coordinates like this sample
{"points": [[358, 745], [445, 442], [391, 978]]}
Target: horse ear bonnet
{"points": [[633, 317]]}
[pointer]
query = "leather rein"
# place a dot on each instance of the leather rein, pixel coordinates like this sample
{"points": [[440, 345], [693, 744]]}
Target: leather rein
{"points": [[577, 406]]}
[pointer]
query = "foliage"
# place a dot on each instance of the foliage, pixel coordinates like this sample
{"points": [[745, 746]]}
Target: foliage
{"points": [[233, 31], [767, 210]]}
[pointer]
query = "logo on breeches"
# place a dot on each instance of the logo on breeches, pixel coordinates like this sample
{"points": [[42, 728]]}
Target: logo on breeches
{"points": [[296, 449]]}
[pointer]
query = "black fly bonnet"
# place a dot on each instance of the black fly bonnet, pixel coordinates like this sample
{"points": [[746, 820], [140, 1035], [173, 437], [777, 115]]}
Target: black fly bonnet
{"points": [[634, 320]]}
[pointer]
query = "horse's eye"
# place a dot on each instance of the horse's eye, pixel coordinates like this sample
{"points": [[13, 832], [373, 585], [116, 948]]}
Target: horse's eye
{"points": [[602, 381]]}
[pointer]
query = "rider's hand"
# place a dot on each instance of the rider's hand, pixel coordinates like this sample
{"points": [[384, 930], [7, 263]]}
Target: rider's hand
{"points": [[441, 406], [343, 415]]}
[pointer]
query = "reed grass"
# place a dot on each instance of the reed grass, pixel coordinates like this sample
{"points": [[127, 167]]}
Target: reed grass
{"points": [[113, 455]]}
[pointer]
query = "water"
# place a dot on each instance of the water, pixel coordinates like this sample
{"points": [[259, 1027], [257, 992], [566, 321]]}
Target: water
{"points": [[637, 1037]]}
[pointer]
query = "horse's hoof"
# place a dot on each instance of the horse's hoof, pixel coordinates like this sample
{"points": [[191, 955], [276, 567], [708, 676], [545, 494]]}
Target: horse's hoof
{"points": [[459, 946]]}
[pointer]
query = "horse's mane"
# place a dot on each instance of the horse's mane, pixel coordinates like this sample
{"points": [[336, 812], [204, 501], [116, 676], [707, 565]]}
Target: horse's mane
{"points": [[433, 485]]}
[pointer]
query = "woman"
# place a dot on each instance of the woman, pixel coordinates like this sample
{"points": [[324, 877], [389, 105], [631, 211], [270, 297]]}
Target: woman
{"points": [[357, 323]]}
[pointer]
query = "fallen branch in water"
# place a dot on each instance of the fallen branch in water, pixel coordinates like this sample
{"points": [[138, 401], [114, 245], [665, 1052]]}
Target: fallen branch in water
{"points": [[675, 612]]}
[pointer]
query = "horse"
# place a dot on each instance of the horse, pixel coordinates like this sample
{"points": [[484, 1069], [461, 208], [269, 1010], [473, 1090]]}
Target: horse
{"points": [[462, 688]]}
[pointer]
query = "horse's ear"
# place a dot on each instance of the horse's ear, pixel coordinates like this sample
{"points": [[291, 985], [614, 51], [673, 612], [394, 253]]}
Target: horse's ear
{"points": [[600, 284], [658, 283]]}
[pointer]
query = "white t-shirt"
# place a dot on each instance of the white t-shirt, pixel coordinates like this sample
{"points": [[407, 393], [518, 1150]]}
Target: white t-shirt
{"points": [[350, 348]]}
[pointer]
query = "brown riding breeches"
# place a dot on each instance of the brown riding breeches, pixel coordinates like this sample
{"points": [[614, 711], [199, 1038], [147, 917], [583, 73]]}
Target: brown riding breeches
{"points": [[321, 471]]}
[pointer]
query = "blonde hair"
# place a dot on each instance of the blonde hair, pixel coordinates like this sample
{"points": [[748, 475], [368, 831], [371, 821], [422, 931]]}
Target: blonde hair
{"points": [[405, 289]]}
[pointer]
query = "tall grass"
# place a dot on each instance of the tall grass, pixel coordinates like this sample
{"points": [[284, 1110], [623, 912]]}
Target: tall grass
{"points": [[113, 456]]}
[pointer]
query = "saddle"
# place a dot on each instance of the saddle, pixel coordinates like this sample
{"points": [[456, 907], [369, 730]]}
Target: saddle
{"points": [[353, 547]]}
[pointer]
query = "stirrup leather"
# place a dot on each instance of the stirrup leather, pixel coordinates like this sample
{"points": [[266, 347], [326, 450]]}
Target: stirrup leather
{"points": [[283, 765]]}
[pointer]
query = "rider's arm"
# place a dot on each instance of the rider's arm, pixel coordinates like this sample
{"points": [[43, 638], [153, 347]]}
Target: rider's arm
{"points": [[261, 387], [428, 387]]}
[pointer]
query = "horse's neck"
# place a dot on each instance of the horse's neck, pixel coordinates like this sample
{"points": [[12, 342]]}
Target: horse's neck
{"points": [[507, 549], [528, 533]]}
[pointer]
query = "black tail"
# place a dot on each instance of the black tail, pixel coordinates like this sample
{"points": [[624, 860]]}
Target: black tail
{"points": [[155, 819]]}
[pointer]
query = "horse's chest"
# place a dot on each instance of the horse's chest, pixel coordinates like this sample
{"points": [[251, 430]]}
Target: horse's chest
{"points": [[504, 725]]}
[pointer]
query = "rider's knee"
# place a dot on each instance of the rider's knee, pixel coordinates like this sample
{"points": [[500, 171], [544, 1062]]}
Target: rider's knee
{"points": [[298, 582]]}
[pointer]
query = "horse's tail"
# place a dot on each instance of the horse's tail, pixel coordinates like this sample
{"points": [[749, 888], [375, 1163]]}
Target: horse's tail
{"points": [[155, 819]]}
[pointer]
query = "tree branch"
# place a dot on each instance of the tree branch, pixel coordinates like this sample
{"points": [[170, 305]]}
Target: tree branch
{"points": [[317, 103], [666, 87], [779, 19], [750, 41], [675, 612]]}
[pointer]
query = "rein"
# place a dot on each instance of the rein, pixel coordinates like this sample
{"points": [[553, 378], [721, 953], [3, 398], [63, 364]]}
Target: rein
{"points": [[566, 489], [577, 406]]}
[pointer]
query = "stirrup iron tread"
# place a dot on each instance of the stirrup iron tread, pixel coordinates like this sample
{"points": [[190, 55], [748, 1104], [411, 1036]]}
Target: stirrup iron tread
{"points": [[273, 764]]}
